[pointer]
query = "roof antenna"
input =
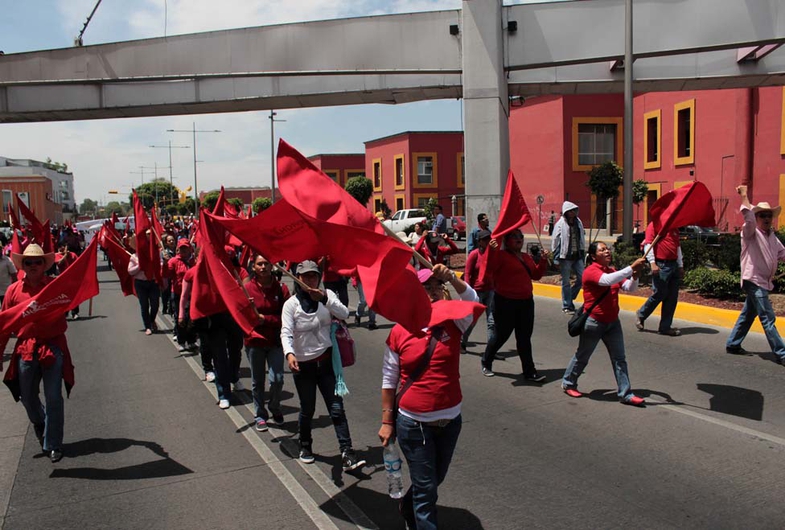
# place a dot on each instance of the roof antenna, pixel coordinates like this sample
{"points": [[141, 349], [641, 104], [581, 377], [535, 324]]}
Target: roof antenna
{"points": [[78, 40]]}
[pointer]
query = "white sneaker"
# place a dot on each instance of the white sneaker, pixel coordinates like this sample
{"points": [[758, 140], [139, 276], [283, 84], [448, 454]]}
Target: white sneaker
{"points": [[182, 348], [224, 403], [238, 386], [209, 377]]}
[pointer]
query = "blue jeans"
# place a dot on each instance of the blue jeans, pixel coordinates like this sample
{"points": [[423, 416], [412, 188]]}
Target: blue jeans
{"points": [[611, 334], [486, 298], [319, 374], [272, 357], [428, 452], [570, 292], [362, 305], [148, 294], [665, 289], [31, 373], [757, 304]]}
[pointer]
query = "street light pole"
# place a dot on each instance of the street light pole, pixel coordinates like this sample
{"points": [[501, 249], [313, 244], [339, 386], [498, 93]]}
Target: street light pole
{"points": [[272, 116], [196, 186], [170, 147]]}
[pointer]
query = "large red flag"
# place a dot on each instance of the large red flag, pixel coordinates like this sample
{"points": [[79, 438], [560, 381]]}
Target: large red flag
{"points": [[47, 242], [110, 241], [222, 280], [14, 219], [78, 283], [514, 213], [39, 231], [157, 226], [689, 205], [146, 246]]}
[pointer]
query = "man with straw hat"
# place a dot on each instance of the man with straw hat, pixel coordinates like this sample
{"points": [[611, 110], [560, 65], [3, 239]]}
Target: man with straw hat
{"points": [[761, 251], [41, 352]]}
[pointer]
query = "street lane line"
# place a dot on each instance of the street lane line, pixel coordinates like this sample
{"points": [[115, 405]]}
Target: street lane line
{"points": [[722, 423], [309, 506]]}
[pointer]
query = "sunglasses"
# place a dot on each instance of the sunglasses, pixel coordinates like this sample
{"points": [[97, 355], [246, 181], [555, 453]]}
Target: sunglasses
{"points": [[32, 262], [768, 215]]}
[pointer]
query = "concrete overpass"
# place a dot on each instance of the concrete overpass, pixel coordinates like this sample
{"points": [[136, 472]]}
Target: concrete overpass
{"points": [[482, 53]]}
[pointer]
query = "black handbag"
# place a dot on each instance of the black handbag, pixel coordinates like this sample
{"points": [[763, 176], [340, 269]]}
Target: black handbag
{"points": [[578, 321]]}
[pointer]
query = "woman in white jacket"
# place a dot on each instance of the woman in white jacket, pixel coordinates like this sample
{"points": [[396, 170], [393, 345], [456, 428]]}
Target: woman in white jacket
{"points": [[305, 336]]}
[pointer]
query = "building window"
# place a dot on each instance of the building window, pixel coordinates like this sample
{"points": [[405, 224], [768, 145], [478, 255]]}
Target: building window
{"points": [[421, 199], [377, 174], [595, 141], [461, 170], [651, 140], [333, 174], [400, 203], [426, 170], [377, 204], [684, 133], [400, 175], [351, 173]]}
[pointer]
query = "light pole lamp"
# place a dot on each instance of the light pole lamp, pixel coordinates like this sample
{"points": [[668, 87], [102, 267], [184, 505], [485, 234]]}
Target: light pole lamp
{"points": [[272, 116], [170, 147], [196, 185]]}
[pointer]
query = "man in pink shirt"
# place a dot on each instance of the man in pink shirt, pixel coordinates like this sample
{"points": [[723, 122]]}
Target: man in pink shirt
{"points": [[761, 251]]}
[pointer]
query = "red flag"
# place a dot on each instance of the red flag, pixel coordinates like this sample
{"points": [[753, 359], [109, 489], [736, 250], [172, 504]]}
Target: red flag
{"points": [[146, 246], [115, 219], [222, 280], [110, 241], [39, 232], [16, 246], [78, 283], [157, 227], [14, 219], [689, 205], [47, 243], [514, 213]]}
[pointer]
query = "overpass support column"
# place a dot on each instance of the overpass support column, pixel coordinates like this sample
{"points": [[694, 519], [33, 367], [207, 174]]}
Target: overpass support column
{"points": [[486, 108]]}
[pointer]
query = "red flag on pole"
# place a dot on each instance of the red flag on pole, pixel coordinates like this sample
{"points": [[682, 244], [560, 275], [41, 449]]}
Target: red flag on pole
{"points": [[689, 205], [14, 219], [514, 213], [110, 241], [146, 247], [78, 283]]}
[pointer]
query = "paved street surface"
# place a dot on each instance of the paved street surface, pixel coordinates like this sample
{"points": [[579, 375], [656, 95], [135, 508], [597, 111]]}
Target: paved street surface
{"points": [[147, 446]]}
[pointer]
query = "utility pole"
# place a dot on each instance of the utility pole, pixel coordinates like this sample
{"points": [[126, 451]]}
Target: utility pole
{"points": [[272, 116], [196, 185], [628, 122]]}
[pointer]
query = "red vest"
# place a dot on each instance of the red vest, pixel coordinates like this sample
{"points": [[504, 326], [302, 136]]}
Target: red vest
{"points": [[439, 387]]}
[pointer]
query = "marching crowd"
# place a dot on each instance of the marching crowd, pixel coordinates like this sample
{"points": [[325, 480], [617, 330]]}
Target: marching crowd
{"points": [[301, 329]]}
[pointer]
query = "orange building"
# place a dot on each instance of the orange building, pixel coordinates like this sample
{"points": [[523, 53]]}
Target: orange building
{"points": [[40, 198]]}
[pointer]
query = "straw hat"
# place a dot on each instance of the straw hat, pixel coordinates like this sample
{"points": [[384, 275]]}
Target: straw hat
{"points": [[766, 207], [403, 237], [33, 251]]}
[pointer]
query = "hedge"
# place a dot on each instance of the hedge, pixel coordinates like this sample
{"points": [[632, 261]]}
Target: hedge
{"points": [[716, 283]]}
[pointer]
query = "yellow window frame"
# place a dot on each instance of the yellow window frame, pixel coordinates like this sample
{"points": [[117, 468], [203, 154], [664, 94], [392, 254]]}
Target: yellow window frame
{"points": [[334, 174], [402, 158], [603, 120], [683, 160], [415, 170], [417, 196], [373, 174], [401, 196], [653, 115]]}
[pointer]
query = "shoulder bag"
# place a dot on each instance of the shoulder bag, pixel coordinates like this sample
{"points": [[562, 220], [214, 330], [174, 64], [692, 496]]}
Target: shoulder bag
{"points": [[436, 335], [578, 321]]}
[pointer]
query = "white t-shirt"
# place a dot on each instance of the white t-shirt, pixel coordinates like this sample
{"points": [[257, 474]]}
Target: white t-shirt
{"points": [[7, 273], [307, 335]]}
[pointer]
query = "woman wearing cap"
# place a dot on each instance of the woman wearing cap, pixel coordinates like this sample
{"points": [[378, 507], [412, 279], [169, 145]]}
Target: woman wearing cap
{"points": [[40, 354], [429, 409], [147, 291], [600, 279], [512, 272], [305, 335], [168, 252]]}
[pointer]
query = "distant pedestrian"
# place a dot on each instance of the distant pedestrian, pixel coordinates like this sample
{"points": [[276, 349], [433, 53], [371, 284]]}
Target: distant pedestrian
{"points": [[761, 250], [551, 222], [601, 294], [419, 231], [307, 344], [7, 271], [484, 288], [482, 224], [439, 221], [667, 269], [432, 247], [362, 304], [569, 249], [147, 291]]}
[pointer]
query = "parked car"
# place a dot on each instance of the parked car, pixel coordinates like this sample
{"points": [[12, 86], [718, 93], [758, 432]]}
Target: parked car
{"points": [[457, 228], [637, 240], [707, 235], [403, 219]]}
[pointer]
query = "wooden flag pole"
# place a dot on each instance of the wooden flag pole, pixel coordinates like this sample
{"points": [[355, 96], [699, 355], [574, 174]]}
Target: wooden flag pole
{"points": [[656, 239], [290, 275], [419, 257], [90, 308]]}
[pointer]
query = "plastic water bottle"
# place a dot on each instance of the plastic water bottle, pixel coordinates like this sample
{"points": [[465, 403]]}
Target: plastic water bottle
{"points": [[392, 464]]}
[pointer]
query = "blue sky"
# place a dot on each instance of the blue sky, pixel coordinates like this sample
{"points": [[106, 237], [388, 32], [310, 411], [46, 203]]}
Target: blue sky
{"points": [[106, 154]]}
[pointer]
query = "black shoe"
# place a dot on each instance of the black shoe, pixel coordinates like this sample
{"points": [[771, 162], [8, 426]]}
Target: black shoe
{"points": [[278, 418], [535, 378], [639, 323], [357, 320], [372, 326], [350, 461], [306, 455], [487, 372], [56, 455], [736, 350]]}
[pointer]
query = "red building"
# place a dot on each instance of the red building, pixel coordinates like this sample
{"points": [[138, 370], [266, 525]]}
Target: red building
{"points": [[721, 137], [39, 193], [409, 168], [340, 167], [247, 195]]}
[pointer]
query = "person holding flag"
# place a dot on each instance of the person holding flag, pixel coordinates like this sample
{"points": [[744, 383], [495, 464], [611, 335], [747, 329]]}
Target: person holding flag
{"points": [[146, 289], [761, 250], [667, 269]]}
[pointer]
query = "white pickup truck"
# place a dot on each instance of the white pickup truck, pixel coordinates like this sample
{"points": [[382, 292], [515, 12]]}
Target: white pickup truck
{"points": [[403, 219]]}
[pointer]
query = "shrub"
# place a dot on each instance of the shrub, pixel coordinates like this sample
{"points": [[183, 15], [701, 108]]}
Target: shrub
{"points": [[695, 254], [624, 254], [727, 254], [714, 282]]}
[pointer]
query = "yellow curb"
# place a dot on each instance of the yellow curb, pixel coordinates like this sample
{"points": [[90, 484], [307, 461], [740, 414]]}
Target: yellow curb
{"points": [[712, 316]]}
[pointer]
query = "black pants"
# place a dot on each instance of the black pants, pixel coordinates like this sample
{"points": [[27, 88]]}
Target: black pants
{"points": [[148, 293], [221, 335], [512, 315]]}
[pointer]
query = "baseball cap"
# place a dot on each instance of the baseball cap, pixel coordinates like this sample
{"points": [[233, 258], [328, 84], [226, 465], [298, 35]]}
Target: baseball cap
{"points": [[308, 266]]}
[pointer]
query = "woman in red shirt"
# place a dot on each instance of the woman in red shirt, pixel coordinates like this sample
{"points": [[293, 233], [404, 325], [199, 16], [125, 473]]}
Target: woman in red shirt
{"points": [[603, 323], [511, 273]]}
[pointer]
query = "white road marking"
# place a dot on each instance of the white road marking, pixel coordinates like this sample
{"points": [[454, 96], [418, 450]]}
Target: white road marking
{"points": [[300, 495]]}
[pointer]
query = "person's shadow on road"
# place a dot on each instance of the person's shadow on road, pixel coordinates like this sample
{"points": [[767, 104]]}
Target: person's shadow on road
{"points": [[163, 467]]}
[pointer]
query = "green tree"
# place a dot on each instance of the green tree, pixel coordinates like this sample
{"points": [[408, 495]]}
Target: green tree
{"points": [[158, 190], [360, 188], [639, 191], [260, 204], [604, 182], [114, 207], [210, 199], [237, 203], [432, 203], [88, 206], [187, 207], [57, 166], [386, 209]]}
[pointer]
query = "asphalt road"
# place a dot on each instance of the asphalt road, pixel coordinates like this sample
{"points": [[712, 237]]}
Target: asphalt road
{"points": [[147, 446]]}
